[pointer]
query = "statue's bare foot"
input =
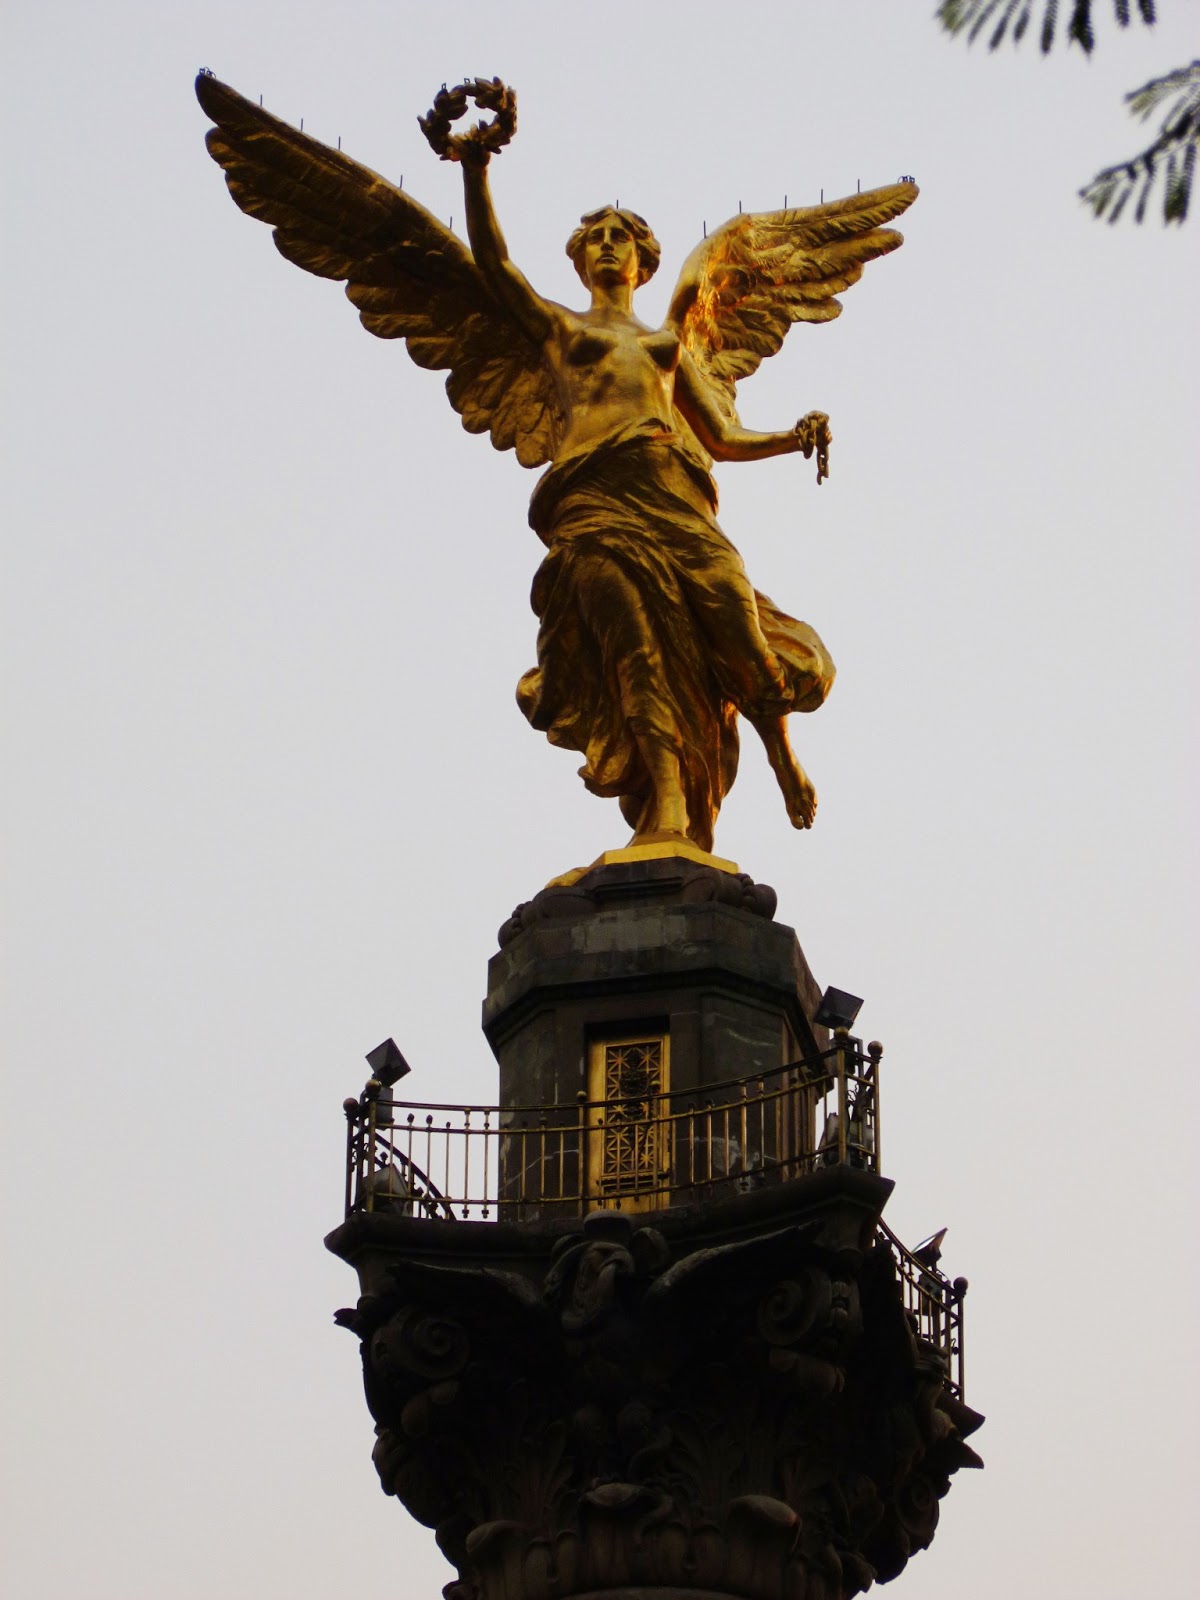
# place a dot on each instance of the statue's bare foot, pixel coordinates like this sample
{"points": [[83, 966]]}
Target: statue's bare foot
{"points": [[799, 796]]}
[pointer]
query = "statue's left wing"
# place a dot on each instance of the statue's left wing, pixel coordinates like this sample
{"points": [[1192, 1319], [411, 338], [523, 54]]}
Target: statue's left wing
{"points": [[743, 287], [409, 276]]}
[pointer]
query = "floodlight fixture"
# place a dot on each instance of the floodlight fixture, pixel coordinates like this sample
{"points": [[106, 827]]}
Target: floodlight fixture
{"points": [[387, 1062], [929, 1251], [837, 1009]]}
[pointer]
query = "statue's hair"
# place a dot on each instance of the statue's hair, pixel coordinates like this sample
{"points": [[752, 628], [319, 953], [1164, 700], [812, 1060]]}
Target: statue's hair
{"points": [[649, 251]]}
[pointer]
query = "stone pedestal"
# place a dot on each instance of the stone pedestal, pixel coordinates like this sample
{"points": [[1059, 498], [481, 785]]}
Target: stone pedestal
{"points": [[668, 1391], [659, 946], [644, 988]]}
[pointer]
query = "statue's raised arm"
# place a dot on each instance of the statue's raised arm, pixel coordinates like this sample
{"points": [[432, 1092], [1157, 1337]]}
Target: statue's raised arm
{"points": [[474, 149]]}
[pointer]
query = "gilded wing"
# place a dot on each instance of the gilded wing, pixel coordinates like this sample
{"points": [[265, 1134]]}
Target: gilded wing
{"points": [[754, 276], [409, 276]]}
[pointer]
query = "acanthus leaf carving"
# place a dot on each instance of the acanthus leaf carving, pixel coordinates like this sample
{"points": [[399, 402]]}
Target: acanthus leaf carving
{"points": [[753, 1419]]}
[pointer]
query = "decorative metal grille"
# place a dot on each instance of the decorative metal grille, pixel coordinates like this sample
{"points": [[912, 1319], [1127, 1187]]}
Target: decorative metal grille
{"points": [[631, 1135]]}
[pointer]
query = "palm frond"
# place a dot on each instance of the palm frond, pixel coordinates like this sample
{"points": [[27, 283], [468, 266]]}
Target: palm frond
{"points": [[1011, 18], [1171, 156]]}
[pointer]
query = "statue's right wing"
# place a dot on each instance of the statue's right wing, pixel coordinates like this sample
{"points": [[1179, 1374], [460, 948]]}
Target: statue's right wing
{"points": [[410, 277]]}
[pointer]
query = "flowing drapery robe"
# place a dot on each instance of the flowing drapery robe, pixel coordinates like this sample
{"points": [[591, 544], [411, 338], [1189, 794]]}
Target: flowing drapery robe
{"points": [[650, 631]]}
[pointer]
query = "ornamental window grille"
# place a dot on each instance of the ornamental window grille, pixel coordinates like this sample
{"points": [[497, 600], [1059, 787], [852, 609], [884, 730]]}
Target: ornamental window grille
{"points": [[629, 1145]]}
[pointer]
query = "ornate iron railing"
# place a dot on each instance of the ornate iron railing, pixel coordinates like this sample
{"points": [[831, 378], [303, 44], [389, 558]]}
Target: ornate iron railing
{"points": [[461, 1162], [934, 1307]]}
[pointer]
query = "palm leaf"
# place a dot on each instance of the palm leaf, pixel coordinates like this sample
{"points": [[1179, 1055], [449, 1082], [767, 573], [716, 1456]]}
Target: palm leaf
{"points": [[1011, 18], [1170, 157]]}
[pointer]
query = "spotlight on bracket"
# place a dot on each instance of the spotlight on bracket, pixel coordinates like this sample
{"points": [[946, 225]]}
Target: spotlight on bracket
{"points": [[929, 1251], [387, 1062], [837, 1009]]}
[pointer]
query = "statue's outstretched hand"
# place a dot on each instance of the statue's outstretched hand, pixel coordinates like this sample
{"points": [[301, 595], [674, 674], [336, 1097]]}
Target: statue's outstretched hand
{"points": [[813, 433], [478, 144]]}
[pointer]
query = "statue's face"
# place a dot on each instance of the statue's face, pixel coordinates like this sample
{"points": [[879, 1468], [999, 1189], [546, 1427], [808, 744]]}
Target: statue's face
{"points": [[610, 252]]}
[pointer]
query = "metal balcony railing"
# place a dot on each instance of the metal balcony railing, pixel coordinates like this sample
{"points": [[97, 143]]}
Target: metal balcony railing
{"points": [[934, 1307], [639, 1152]]}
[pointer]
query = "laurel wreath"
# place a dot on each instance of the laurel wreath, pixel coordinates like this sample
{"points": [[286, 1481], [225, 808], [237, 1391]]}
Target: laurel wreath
{"points": [[487, 136]]}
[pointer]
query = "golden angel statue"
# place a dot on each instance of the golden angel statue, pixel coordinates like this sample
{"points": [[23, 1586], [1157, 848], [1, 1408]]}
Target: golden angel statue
{"points": [[651, 638]]}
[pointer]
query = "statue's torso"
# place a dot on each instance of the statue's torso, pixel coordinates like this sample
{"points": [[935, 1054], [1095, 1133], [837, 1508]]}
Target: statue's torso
{"points": [[610, 374]]}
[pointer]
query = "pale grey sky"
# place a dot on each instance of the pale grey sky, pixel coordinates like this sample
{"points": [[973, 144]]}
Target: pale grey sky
{"points": [[270, 794]]}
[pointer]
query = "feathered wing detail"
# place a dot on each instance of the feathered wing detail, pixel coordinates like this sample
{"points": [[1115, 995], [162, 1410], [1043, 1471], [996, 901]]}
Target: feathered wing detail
{"points": [[407, 274], [744, 286]]}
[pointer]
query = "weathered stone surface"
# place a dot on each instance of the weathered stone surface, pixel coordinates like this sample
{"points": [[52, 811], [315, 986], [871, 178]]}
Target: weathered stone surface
{"points": [[668, 942]]}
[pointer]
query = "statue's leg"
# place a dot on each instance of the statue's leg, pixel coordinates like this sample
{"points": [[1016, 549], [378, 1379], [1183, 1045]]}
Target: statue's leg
{"points": [[614, 612], [798, 793], [747, 669], [753, 677], [669, 813]]}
